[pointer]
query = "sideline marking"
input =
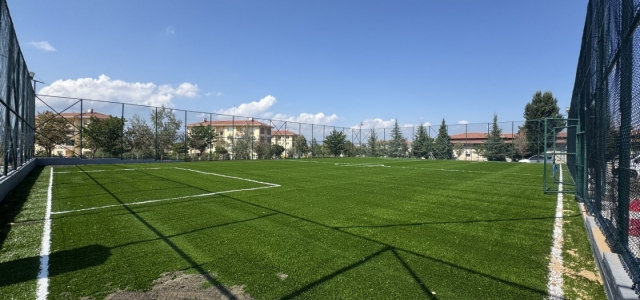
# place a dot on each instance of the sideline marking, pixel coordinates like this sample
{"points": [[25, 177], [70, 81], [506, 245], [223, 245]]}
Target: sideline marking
{"points": [[110, 170], [554, 286], [268, 186], [362, 165], [43, 275]]}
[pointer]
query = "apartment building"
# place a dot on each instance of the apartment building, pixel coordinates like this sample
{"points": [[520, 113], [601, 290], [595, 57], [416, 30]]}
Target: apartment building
{"points": [[233, 130]]}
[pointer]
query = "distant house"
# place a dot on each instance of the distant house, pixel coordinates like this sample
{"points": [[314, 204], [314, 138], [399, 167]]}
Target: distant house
{"points": [[284, 138], [76, 121], [231, 130], [470, 139]]}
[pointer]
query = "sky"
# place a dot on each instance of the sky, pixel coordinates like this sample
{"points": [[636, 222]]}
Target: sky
{"points": [[340, 63]]}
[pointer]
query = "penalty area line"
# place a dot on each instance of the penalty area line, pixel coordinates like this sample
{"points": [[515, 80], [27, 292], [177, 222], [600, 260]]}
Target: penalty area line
{"points": [[162, 200], [42, 290]]}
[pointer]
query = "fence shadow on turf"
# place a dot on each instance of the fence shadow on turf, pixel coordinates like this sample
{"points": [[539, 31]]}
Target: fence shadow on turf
{"points": [[194, 265], [454, 222], [26, 269], [12, 205], [386, 247]]}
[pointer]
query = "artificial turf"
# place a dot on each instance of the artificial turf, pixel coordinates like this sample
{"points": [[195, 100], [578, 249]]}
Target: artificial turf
{"points": [[339, 228]]}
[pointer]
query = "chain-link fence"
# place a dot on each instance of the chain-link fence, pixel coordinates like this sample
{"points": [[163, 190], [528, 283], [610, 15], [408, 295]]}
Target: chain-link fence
{"points": [[17, 105], [606, 101], [93, 129]]}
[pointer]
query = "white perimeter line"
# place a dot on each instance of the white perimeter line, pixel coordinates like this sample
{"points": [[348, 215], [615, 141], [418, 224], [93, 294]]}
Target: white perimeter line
{"points": [[554, 286], [43, 275]]}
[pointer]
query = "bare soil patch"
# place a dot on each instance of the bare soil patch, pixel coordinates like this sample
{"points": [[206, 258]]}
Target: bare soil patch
{"points": [[178, 285]]}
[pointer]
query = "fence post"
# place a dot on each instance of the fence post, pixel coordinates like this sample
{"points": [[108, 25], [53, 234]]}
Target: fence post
{"points": [[81, 126], [156, 135]]}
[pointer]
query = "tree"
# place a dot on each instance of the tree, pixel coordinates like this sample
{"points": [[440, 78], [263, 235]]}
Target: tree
{"points": [[139, 137], [422, 143], [350, 149], [397, 144], [442, 147], [105, 134], [541, 106], [479, 149], [262, 149], [276, 150], [335, 142], [494, 145], [373, 147], [520, 142], [51, 130], [458, 148], [201, 137], [316, 149], [301, 146], [166, 126]]}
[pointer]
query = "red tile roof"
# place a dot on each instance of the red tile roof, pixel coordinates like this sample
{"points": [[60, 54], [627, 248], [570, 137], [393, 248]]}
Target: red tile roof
{"points": [[86, 115], [283, 133], [229, 123]]}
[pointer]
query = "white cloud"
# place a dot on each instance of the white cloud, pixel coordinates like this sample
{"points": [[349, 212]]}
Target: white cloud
{"points": [[251, 109], [44, 46], [105, 88], [308, 118], [376, 123], [169, 30], [462, 122]]}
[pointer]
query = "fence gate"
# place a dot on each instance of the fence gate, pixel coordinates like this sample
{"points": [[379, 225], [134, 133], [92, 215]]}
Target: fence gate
{"points": [[558, 134]]}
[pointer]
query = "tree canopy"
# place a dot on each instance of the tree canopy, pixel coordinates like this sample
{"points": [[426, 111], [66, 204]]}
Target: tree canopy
{"points": [[200, 137], [442, 147], [542, 105], [422, 143], [398, 144], [104, 134], [335, 142], [495, 148], [166, 126], [51, 130]]}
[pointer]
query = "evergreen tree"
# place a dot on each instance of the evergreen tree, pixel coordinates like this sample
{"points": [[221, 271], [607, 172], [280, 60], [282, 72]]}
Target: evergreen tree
{"points": [[397, 144], [335, 142], [373, 147], [422, 143], [316, 149], [495, 148], [541, 106], [442, 147]]}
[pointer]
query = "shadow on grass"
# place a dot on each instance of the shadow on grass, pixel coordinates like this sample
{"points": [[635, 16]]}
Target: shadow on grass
{"points": [[169, 243], [26, 269], [387, 247], [453, 222], [12, 204]]}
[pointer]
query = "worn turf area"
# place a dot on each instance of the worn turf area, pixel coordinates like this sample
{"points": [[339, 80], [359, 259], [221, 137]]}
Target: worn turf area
{"points": [[327, 228]]}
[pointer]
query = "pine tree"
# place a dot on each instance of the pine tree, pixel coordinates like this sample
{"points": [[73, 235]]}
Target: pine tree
{"points": [[397, 144], [372, 144], [442, 147], [495, 149], [422, 143]]}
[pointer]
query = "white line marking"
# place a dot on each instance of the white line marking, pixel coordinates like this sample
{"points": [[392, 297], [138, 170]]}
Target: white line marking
{"points": [[361, 165], [554, 286], [111, 170], [268, 185], [227, 176], [43, 275], [162, 200]]}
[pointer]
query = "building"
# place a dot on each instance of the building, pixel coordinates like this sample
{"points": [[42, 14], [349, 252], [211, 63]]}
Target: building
{"points": [[470, 140], [75, 122], [231, 131], [285, 138]]}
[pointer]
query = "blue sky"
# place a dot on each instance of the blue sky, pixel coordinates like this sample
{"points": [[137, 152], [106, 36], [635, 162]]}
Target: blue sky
{"points": [[325, 62]]}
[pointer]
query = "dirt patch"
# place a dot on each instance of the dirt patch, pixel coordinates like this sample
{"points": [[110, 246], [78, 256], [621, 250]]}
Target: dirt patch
{"points": [[178, 285]]}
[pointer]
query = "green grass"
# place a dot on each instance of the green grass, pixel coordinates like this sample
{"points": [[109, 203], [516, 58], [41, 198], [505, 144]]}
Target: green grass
{"points": [[411, 229]]}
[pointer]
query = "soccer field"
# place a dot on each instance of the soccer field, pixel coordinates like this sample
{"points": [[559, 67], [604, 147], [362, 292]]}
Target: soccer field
{"points": [[355, 228]]}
